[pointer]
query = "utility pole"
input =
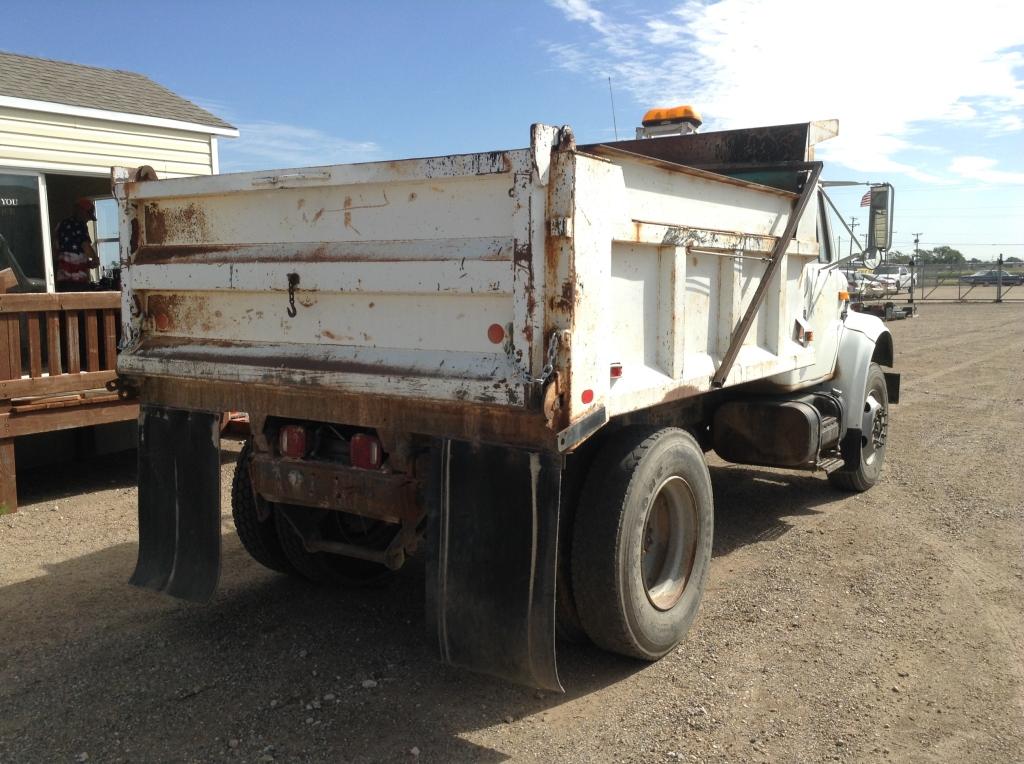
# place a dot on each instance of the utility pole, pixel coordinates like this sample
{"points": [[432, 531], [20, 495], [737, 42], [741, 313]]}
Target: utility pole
{"points": [[853, 225]]}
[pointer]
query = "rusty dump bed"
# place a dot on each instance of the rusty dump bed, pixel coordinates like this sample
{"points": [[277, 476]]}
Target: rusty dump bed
{"points": [[485, 295]]}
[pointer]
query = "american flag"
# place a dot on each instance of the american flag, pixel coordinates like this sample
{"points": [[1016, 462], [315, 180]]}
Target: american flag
{"points": [[865, 200]]}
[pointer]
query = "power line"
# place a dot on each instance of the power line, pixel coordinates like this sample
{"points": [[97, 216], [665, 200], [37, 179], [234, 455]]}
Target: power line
{"points": [[972, 243], [1008, 214], [966, 207]]}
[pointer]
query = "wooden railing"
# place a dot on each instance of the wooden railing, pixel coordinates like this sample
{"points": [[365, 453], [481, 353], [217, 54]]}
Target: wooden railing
{"points": [[55, 343], [57, 353]]}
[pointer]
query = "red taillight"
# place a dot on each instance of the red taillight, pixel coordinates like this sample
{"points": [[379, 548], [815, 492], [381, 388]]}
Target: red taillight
{"points": [[292, 441], [587, 397], [616, 370], [365, 452]]}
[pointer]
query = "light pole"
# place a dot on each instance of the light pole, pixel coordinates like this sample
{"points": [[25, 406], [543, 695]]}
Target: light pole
{"points": [[853, 225]]}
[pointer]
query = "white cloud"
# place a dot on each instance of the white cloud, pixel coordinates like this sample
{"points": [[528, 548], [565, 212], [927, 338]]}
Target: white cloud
{"points": [[263, 145], [570, 57], [983, 169], [884, 69], [1009, 123]]}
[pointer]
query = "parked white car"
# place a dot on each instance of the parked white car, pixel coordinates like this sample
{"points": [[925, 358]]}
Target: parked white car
{"points": [[865, 286], [897, 277]]}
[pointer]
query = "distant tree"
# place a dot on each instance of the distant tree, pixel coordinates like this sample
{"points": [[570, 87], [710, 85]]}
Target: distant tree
{"points": [[974, 260], [896, 256], [1013, 260], [944, 254]]}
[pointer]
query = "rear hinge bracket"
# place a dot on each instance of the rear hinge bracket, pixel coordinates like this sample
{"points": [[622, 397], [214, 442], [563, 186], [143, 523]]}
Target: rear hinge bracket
{"points": [[560, 227]]}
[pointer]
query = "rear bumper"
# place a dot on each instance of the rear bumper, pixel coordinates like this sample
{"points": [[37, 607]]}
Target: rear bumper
{"points": [[463, 420], [370, 493]]}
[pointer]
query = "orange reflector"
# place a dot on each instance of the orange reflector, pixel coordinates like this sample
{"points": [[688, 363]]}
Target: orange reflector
{"points": [[684, 113], [496, 333], [588, 396], [844, 296], [616, 370]]}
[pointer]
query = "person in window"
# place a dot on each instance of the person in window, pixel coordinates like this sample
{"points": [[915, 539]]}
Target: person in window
{"points": [[75, 252]]}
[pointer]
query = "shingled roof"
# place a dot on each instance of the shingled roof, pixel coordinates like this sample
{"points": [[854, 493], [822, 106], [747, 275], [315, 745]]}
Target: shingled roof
{"points": [[60, 82]]}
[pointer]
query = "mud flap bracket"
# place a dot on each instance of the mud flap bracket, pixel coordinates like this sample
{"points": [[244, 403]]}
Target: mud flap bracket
{"points": [[491, 566], [179, 502]]}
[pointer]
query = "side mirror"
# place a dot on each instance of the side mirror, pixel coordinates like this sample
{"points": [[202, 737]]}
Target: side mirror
{"points": [[880, 221]]}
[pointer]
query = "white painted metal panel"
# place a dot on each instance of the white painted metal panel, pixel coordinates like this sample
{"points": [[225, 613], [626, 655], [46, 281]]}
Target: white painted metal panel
{"points": [[439, 208], [687, 256], [440, 321], [408, 265]]}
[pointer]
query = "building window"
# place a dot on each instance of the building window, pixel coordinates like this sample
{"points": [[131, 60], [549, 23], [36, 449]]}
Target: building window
{"points": [[106, 240], [21, 231]]}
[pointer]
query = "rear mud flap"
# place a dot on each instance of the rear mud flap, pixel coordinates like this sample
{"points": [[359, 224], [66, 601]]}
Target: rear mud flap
{"points": [[179, 503], [491, 568]]}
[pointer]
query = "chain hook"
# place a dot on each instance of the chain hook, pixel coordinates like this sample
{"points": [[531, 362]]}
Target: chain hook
{"points": [[553, 344], [293, 281]]}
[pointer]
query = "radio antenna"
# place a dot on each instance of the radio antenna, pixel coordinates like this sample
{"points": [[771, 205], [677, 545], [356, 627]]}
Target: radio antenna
{"points": [[611, 98]]}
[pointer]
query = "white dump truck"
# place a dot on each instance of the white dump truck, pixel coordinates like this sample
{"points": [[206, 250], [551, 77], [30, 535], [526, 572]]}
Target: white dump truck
{"points": [[509, 362]]}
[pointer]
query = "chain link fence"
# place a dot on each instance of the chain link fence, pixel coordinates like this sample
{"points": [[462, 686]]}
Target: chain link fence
{"points": [[968, 282]]}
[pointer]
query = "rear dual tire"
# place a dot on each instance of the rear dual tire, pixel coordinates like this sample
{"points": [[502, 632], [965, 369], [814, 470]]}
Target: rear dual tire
{"points": [[642, 541], [254, 519]]}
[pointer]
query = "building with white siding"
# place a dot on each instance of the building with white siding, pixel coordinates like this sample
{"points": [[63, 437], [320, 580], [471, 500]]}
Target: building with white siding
{"points": [[62, 127]]}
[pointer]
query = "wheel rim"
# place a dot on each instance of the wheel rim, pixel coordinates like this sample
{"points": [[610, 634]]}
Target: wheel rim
{"points": [[669, 542], [874, 426]]}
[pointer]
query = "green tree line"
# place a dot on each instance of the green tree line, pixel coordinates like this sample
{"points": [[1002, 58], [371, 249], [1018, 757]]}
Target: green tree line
{"points": [[944, 255]]}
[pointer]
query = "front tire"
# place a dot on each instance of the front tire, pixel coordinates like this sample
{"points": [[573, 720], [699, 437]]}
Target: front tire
{"points": [[642, 541], [874, 436]]}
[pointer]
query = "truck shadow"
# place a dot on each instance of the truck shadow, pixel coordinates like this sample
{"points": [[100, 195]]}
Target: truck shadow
{"points": [[752, 503], [286, 669], [83, 476]]}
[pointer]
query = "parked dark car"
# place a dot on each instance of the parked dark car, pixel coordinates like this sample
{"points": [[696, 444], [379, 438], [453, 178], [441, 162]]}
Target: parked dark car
{"points": [[991, 277]]}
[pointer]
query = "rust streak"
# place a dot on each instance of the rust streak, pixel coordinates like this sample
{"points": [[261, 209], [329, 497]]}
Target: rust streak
{"points": [[218, 254], [280, 369], [187, 223]]}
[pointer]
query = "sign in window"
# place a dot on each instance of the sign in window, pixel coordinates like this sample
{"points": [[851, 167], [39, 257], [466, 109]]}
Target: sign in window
{"points": [[21, 231]]}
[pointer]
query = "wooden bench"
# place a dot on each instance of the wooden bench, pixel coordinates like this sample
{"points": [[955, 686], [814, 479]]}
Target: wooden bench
{"points": [[57, 353]]}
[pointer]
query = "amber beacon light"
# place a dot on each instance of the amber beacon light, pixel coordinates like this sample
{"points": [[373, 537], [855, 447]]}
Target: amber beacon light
{"points": [[665, 121]]}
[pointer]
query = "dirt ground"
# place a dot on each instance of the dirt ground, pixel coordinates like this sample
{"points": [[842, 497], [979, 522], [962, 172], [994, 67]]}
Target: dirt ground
{"points": [[880, 627]]}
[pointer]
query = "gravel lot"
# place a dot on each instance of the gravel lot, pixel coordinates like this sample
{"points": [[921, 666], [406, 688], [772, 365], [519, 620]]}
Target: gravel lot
{"points": [[879, 627]]}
